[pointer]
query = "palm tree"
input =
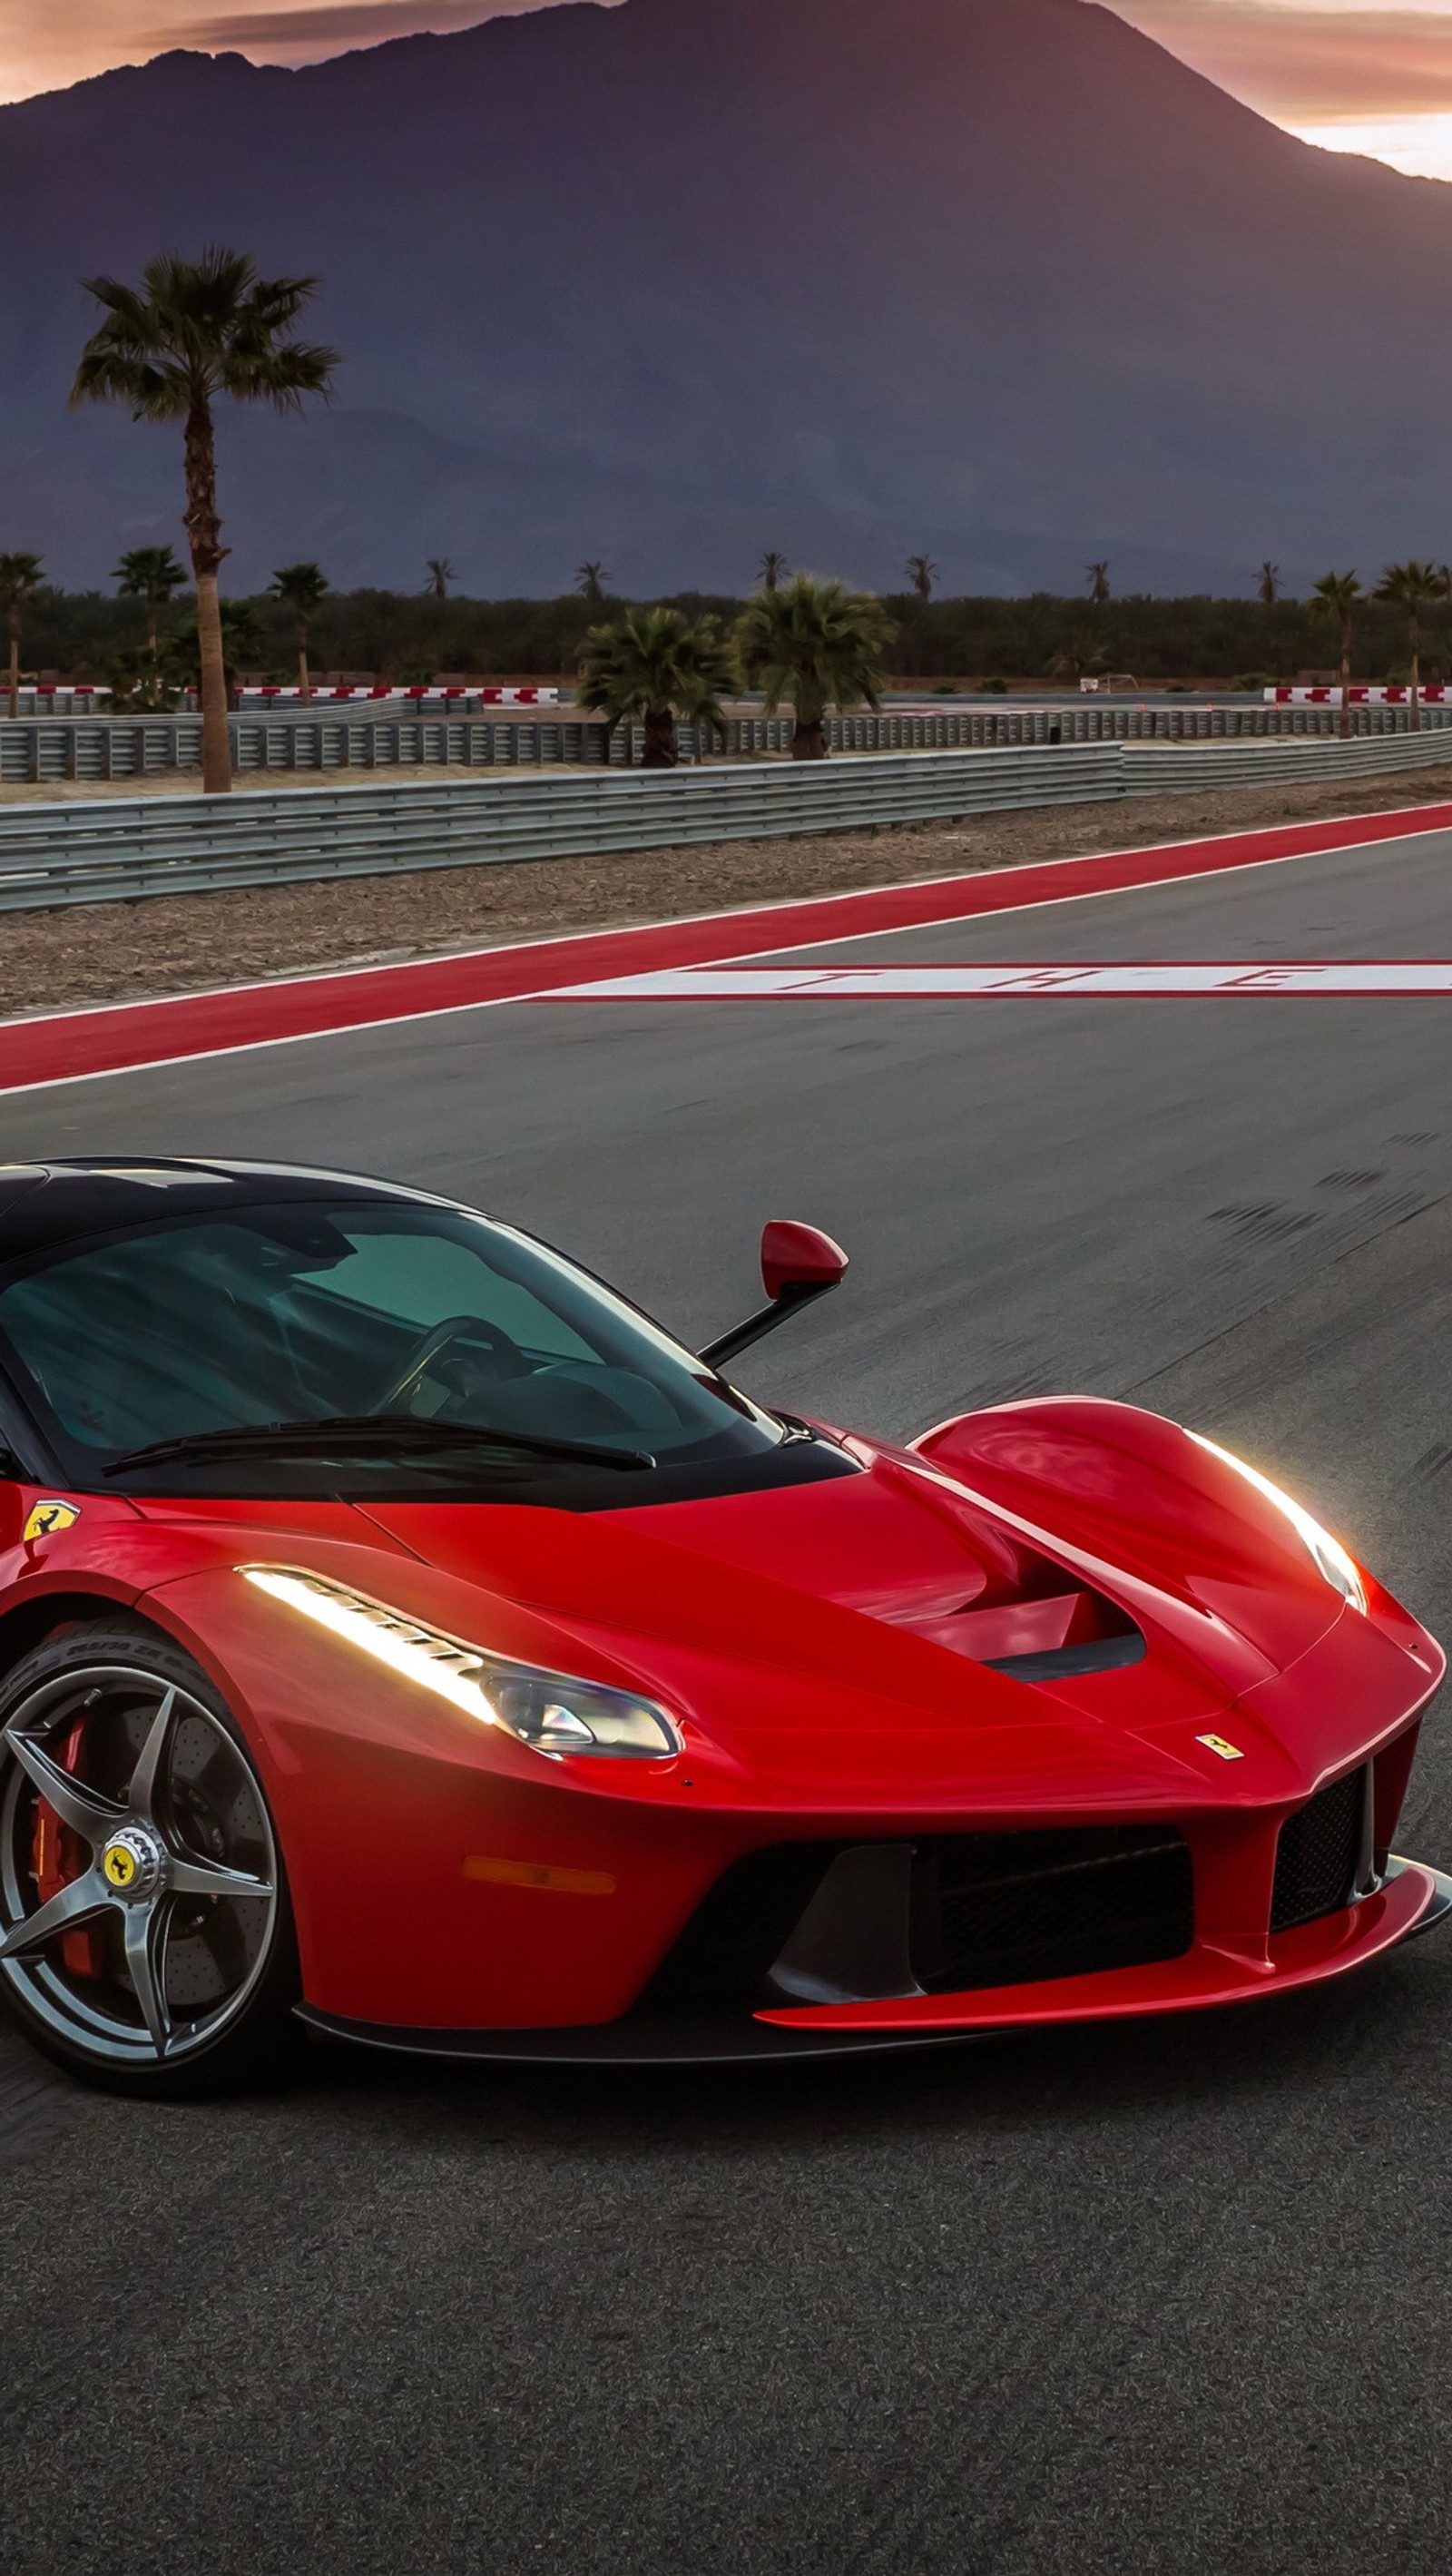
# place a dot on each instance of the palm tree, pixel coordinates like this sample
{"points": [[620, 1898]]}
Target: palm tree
{"points": [[441, 572], [922, 572], [301, 587], [20, 578], [653, 665], [241, 644], [195, 329], [1099, 591], [152, 574], [590, 582], [1411, 585], [774, 569], [1269, 589], [821, 646], [134, 679], [1082, 651], [1338, 593]]}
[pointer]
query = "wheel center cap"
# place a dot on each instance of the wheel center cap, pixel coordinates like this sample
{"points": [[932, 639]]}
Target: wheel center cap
{"points": [[133, 1861]]}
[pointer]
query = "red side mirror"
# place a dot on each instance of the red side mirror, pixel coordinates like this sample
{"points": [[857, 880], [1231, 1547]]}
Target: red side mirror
{"points": [[798, 1264], [798, 1258]]}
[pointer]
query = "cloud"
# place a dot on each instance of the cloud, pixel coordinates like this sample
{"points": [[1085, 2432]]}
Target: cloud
{"points": [[1308, 64], [290, 35], [46, 44]]}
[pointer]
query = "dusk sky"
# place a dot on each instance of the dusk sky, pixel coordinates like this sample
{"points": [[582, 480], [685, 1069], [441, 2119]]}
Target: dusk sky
{"points": [[1362, 75]]}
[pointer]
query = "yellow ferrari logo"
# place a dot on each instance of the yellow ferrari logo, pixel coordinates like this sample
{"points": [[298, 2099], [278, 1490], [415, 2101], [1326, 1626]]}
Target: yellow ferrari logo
{"points": [[46, 1518], [119, 1866], [1218, 1744]]}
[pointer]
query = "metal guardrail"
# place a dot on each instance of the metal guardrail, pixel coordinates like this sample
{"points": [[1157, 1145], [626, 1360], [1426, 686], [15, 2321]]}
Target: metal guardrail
{"points": [[1161, 768], [116, 850], [977, 727], [117, 748]]}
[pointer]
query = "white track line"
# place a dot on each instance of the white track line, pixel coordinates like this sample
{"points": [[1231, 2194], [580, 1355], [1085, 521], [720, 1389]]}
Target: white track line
{"points": [[1233, 980]]}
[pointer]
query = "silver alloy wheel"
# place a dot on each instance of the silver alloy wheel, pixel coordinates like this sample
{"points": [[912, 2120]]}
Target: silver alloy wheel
{"points": [[175, 1906]]}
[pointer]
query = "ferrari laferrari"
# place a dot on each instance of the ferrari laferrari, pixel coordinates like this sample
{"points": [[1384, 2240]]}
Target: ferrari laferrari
{"points": [[404, 1637]]}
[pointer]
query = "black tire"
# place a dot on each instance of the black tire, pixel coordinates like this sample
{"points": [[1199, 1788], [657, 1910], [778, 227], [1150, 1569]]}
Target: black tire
{"points": [[99, 1678]]}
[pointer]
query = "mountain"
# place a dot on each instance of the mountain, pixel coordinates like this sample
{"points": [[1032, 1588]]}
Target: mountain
{"points": [[666, 283]]}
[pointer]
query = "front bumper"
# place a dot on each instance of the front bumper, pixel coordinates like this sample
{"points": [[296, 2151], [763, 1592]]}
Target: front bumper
{"points": [[1412, 1899]]}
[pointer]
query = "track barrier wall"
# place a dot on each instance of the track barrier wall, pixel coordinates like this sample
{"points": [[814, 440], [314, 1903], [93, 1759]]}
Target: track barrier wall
{"points": [[125, 848], [44, 750]]}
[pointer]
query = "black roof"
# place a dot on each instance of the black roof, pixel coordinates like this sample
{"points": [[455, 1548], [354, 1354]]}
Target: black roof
{"points": [[46, 1203]]}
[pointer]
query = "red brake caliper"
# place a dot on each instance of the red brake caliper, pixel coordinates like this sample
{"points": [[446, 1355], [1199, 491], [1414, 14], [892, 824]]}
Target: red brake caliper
{"points": [[59, 1855]]}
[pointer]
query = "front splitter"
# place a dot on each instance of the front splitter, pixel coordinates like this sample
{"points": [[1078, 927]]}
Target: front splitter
{"points": [[640, 2039], [729, 2039]]}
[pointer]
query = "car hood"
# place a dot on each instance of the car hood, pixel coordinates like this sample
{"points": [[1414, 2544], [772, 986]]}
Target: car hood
{"points": [[827, 1644], [838, 1636], [901, 1548]]}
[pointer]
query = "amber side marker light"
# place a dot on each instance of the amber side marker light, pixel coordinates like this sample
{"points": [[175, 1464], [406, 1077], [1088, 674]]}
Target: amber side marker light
{"points": [[539, 1873]]}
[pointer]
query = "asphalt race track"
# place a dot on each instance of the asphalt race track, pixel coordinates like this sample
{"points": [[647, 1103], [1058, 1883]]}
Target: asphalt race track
{"points": [[1169, 2297]]}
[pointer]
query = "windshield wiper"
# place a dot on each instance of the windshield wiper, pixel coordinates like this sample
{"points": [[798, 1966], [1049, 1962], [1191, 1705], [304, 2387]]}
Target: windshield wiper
{"points": [[337, 1431]]}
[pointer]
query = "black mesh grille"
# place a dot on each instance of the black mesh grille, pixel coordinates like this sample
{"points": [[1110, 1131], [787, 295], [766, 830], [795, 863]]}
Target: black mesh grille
{"points": [[1317, 1855], [986, 1910], [1013, 1909]]}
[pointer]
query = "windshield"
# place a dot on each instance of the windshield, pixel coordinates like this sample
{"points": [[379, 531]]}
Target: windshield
{"points": [[306, 1314]]}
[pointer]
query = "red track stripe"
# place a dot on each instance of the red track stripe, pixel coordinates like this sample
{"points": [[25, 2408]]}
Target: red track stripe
{"points": [[78, 1043]]}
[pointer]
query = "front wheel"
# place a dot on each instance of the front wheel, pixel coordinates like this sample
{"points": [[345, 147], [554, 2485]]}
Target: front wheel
{"points": [[146, 1939]]}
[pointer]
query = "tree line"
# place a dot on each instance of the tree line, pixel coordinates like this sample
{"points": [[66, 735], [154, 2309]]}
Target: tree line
{"points": [[410, 636], [198, 332]]}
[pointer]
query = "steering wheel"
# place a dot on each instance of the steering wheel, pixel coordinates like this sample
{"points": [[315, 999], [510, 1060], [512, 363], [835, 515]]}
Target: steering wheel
{"points": [[438, 1338]]}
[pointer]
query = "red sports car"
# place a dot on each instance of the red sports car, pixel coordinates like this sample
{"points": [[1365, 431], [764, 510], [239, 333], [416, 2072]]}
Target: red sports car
{"points": [[400, 1632]]}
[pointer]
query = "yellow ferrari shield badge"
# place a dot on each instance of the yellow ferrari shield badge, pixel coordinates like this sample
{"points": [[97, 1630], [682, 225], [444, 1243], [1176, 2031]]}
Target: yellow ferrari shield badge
{"points": [[1218, 1744], [48, 1517]]}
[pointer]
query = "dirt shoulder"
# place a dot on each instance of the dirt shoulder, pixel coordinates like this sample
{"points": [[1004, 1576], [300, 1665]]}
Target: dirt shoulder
{"points": [[109, 952]]}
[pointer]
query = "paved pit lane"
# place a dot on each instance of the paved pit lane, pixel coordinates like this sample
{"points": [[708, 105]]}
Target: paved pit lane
{"points": [[1170, 2297]]}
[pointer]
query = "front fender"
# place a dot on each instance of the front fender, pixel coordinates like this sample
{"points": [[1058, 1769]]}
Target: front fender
{"points": [[1143, 1493]]}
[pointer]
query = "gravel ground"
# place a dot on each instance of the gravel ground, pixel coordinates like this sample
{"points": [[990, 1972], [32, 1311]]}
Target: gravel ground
{"points": [[119, 952]]}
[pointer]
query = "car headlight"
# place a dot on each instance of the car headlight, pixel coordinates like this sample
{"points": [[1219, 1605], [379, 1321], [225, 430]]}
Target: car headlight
{"points": [[551, 1712], [1330, 1556]]}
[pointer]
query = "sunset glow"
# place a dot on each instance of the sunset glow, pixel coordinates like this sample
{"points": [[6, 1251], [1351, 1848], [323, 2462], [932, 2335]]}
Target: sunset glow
{"points": [[1369, 76]]}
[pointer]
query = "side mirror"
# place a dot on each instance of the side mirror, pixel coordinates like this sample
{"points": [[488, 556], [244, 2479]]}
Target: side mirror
{"points": [[798, 1264], [799, 1260]]}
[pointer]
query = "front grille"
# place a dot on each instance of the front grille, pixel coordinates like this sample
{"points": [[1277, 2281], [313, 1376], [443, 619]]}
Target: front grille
{"points": [[1014, 1909], [1318, 1855], [984, 1910]]}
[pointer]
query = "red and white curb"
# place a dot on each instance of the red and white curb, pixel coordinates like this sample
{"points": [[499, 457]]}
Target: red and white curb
{"points": [[1232, 979], [258, 700], [79, 1045], [1327, 693]]}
